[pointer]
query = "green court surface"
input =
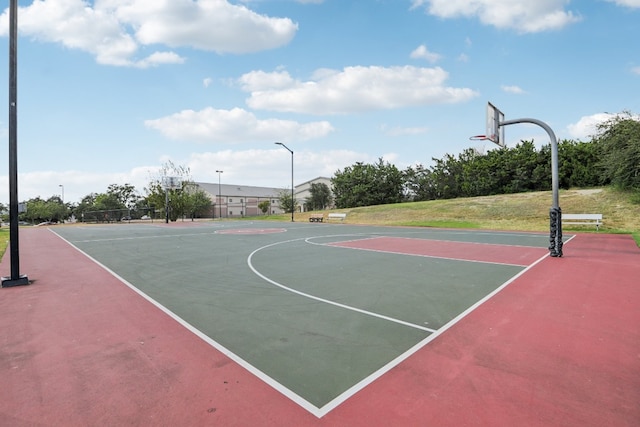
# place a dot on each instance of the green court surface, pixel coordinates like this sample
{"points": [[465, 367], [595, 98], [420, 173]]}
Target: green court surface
{"points": [[316, 320]]}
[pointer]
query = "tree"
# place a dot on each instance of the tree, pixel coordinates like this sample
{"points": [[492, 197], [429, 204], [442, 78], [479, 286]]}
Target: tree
{"points": [[619, 148], [108, 202], [264, 206], [195, 201], [126, 194], [366, 185], [320, 197], [39, 210], [577, 164], [417, 183], [287, 203], [157, 195]]}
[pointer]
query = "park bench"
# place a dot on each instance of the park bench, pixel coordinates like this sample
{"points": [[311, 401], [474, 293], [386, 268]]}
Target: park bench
{"points": [[336, 215], [316, 218], [582, 219]]}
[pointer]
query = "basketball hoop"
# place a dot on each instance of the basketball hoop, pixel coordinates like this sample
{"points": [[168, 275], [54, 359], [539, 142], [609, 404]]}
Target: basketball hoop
{"points": [[171, 182], [478, 138]]}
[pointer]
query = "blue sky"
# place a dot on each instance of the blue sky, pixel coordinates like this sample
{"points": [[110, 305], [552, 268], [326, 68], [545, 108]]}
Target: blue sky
{"points": [[109, 90]]}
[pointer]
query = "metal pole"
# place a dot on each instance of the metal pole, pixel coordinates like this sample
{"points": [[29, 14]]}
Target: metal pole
{"points": [[219, 196], [293, 204], [64, 211], [15, 279], [555, 212], [292, 199], [166, 205]]}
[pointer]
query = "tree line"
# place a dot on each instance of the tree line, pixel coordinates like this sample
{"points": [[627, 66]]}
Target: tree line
{"points": [[612, 157], [123, 202]]}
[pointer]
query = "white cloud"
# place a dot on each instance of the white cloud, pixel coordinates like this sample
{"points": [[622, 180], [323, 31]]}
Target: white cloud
{"points": [[524, 16], [77, 184], [421, 52], [234, 126], [159, 58], [515, 90], [206, 82], [208, 25], [115, 30], [417, 3], [587, 125], [354, 89], [627, 3], [635, 70], [270, 167]]}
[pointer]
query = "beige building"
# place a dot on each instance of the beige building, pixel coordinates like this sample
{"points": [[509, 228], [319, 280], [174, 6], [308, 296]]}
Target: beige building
{"points": [[242, 200], [303, 191]]}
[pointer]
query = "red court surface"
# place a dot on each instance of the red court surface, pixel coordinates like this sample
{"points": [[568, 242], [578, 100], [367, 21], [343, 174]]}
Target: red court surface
{"points": [[559, 346], [480, 252]]}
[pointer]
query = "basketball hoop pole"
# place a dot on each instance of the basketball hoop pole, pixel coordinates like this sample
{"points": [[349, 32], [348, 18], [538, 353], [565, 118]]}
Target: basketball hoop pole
{"points": [[554, 154], [555, 213]]}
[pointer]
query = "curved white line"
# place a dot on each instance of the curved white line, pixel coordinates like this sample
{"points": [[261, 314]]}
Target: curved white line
{"points": [[323, 300]]}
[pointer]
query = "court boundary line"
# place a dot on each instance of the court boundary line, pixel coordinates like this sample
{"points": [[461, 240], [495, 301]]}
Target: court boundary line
{"points": [[373, 236]]}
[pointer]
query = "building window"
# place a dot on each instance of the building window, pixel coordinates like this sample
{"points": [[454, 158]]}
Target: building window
{"points": [[230, 200]]}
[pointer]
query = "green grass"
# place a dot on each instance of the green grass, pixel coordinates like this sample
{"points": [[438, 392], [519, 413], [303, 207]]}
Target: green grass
{"points": [[4, 241], [510, 212]]}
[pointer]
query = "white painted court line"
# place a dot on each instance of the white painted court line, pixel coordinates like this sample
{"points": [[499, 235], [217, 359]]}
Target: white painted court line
{"points": [[336, 245], [164, 236], [323, 300]]}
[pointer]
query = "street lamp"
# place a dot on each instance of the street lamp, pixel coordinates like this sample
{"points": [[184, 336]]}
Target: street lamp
{"points": [[16, 279], [64, 210], [292, 200], [219, 195]]}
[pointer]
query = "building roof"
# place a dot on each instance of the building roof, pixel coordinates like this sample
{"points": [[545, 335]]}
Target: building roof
{"points": [[230, 190]]}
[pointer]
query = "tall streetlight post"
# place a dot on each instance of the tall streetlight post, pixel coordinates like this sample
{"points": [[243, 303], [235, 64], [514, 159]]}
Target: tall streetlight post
{"points": [[64, 211], [16, 279], [292, 200], [219, 195]]}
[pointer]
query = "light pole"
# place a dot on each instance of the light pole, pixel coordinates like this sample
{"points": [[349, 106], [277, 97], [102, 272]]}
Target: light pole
{"points": [[292, 200], [16, 279], [219, 195], [64, 211]]}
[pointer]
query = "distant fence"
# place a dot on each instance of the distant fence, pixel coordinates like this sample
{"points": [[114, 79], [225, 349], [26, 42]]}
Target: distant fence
{"points": [[115, 215]]}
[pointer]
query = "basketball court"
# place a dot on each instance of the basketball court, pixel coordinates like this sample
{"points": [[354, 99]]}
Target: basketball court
{"points": [[262, 323]]}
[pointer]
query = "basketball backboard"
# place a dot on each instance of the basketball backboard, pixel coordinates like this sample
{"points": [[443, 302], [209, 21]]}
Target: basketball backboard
{"points": [[495, 132], [171, 182]]}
